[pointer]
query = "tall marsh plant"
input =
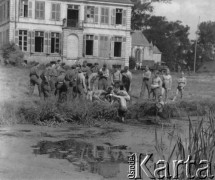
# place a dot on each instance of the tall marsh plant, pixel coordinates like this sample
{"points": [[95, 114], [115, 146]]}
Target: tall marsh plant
{"points": [[199, 145]]}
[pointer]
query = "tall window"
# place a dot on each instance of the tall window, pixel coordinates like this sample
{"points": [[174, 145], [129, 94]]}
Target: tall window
{"points": [[118, 16], [104, 15], [89, 45], [40, 10], [118, 47], [39, 41], [55, 12], [55, 42], [23, 40], [24, 8]]}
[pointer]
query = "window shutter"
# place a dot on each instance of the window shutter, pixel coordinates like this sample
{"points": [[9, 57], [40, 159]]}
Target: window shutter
{"points": [[45, 47], [32, 41], [53, 12], [29, 41], [49, 43], [124, 13], [84, 45], [16, 37], [112, 47], [96, 16], [95, 46], [60, 48], [113, 17], [85, 13], [107, 16], [123, 47], [30, 9], [102, 15], [108, 44], [58, 12], [37, 10], [42, 10], [21, 11]]}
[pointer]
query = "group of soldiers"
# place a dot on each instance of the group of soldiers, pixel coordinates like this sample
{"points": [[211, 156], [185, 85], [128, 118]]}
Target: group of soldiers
{"points": [[82, 81], [94, 83]]}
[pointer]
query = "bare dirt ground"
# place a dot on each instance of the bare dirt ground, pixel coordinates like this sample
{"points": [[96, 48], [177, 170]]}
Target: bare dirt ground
{"points": [[71, 152]]}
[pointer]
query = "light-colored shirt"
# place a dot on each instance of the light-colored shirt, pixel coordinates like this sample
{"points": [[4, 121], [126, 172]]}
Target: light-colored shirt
{"points": [[81, 79], [167, 80], [116, 76], [92, 81], [156, 82], [147, 74], [105, 72]]}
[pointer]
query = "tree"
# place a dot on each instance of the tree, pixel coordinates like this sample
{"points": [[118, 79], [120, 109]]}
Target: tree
{"points": [[206, 40], [12, 54], [170, 37], [141, 12]]}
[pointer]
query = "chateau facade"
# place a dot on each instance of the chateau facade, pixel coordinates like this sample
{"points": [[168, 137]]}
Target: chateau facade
{"points": [[71, 30]]}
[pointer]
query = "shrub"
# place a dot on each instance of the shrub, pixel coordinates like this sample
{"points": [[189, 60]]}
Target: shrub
{"points": [[132, 63], [12, 54]]}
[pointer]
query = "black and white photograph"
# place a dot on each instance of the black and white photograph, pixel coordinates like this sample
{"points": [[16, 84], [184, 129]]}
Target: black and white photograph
{"points": [[107, 89]]}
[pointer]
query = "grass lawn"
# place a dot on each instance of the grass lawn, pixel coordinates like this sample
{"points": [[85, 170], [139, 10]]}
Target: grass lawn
{"points": [[199, 86], [14, 84]]}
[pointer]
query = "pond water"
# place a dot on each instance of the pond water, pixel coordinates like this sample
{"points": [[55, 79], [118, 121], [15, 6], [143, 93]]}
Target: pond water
{"points": [[105, 160]]}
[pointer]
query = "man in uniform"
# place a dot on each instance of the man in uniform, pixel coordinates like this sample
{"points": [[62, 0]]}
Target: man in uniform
{"points": [[126, 79], [61, 88], [70, 79], [45, 86], [53, 76], [103, 77], [81, 87], [34, 79], [95, 68]]}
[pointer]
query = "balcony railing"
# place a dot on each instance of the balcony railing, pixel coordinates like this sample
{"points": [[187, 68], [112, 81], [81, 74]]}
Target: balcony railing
{"points": [[71, 23]]}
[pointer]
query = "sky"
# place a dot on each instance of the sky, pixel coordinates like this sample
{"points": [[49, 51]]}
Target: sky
{"points": [[187, 11]]}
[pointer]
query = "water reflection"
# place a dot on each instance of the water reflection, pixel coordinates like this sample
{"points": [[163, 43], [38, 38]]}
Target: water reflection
{"points": [[105, 160]]}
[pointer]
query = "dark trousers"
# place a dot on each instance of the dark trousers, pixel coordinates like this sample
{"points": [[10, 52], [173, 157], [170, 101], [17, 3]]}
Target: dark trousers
{"points": [[156, 92], [61, 92], [52, 83], [145, 86], [103, 84], [122, 112], [45, 89], [34, 80], [126, 86]]}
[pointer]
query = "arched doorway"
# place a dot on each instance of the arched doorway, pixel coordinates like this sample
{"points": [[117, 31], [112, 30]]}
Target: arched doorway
{"points": [[72, 46], [138, 56]]}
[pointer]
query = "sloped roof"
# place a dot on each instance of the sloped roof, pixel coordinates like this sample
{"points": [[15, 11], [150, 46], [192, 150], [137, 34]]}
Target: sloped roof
{"points": [[156, 50], [139, 39], [100, 1]]}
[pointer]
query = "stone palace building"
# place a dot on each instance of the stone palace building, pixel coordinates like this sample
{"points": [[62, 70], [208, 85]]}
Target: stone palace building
{"points": [[71, 30]]}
